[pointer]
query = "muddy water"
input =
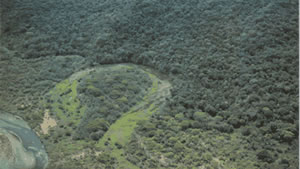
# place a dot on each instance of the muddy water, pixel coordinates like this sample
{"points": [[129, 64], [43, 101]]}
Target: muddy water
{"points": [[26, 150]]}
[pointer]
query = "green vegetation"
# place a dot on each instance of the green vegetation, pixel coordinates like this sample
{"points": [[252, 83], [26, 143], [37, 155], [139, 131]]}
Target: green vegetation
{"points": [[98, 123], [119, 135], [108, 93], [64, 102], [118, 91], [191, 146], [233, 65]]}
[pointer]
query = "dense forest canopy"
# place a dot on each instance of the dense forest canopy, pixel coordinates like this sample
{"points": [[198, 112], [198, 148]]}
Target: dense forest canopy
{"points": [[233, 66]]}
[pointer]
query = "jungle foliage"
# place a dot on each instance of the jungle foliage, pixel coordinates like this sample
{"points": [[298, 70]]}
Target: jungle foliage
{"points": [[233, 65]]}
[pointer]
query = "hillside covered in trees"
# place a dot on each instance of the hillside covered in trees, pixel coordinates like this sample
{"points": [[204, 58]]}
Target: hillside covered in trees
{"points": [[217, 81]]}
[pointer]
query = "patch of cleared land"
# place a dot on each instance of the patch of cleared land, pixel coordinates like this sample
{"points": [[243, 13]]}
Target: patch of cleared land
{"points": [[48, 122]]}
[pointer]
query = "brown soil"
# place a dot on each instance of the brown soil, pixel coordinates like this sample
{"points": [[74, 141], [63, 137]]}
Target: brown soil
{"points": [[48, 122]]}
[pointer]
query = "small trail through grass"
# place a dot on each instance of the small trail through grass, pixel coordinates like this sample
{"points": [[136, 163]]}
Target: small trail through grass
{"points": [[119, 133]]}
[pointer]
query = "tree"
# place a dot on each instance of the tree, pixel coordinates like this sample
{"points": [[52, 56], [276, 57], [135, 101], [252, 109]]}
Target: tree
{"points": [[200, 116]]}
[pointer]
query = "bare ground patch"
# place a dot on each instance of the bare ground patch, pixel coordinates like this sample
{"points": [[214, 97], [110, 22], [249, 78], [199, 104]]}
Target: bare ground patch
{"points": [[48, 122]]}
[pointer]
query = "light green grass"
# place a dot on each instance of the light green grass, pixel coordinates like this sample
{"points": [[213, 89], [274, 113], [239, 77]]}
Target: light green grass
{"points": [[154, 83], [68, 102], [120, 132]]}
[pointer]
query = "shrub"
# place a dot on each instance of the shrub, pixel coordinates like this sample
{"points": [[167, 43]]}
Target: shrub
{"points": [[265, 156], [179, 116], [207, 157], [200, 116], [185, 124], [118, 145], [178, 147], [96, 135], [123, 100], [97, 124]]}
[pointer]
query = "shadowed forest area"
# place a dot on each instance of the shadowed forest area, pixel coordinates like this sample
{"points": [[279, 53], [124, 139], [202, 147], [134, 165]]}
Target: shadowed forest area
{"points": [[193, 84]]}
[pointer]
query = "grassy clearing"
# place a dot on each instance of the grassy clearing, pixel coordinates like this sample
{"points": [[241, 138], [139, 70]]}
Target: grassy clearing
{"points": [[66, 107], [154, 84], [65, 104], [120, 132]]}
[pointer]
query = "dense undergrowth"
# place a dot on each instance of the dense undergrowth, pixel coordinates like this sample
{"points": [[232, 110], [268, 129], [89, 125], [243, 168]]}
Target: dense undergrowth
{"points": [[233, 66]]}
